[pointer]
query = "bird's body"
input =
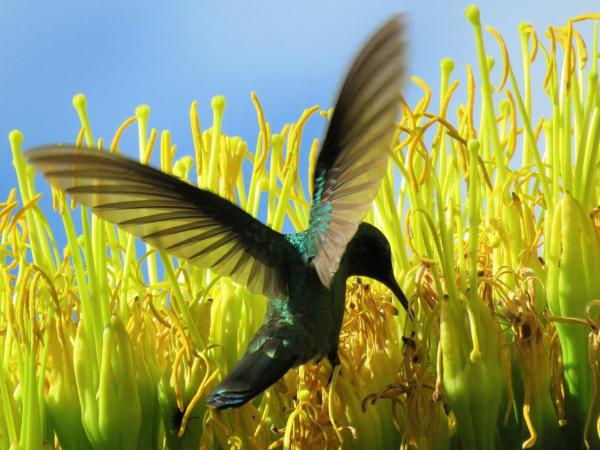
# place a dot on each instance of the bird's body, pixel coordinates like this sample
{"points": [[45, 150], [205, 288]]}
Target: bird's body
{"points": [[306, 327], [304, 274]]}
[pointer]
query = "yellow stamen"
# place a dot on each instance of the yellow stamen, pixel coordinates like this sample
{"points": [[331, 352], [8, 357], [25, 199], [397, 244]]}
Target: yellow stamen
{"points": [[505, 59], [470, 102], [262, 158], [218, 106], [530, 442], [4, 213], [197, 138], [19, 214], [528, 30], [293, 142], [145, 159], [423, 104], [177, 362], [115, 141], [79, 139], [80, 105], [513, 124], [195, 399], [582, 54]]}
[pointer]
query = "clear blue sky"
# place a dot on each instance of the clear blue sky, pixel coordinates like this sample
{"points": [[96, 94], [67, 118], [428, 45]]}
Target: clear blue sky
{"points": [[168, 53]]}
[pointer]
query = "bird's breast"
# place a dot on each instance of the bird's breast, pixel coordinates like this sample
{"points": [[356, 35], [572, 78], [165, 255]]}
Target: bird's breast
{"points": [[317, 309]]}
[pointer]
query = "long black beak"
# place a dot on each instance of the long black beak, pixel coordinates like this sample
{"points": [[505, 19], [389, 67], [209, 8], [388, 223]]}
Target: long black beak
{"points": [[393, 286]]}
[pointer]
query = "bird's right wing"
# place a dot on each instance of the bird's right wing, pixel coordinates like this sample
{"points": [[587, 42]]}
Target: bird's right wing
{"points": [[171, 215]]}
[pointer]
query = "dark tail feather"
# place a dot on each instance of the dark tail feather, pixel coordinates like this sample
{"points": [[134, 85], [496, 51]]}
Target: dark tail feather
{"points": [[254, 373]]}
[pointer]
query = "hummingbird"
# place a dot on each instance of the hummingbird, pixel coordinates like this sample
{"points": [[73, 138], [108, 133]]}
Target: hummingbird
{"points": [[302, 274]]}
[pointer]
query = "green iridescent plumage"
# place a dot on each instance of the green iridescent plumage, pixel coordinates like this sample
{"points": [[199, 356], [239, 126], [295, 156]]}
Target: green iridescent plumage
{"points": [[303, 274]]}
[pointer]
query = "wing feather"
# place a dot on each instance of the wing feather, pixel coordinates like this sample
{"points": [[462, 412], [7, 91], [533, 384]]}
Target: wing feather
{"points": [[356, 149], [170, 214]]}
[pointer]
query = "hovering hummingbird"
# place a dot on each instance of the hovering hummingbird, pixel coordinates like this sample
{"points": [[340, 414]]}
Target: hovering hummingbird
{"points": [[303, 274]]}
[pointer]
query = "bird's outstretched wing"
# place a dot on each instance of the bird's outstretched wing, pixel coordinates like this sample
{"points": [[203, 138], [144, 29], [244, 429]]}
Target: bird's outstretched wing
{"points": [[171, 215], [354, 155]]}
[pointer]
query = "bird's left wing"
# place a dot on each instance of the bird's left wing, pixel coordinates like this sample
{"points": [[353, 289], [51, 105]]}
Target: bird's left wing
{"points": [[357, 146], [171, 215]]}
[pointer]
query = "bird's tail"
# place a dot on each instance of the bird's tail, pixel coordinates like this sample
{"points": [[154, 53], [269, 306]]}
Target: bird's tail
{"points": [[255, 372]]}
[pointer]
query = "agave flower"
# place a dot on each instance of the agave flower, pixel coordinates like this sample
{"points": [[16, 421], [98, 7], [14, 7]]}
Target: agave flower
{"points": [[494, 219]]}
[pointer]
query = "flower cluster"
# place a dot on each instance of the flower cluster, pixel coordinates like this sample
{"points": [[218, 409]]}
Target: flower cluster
{"points": [[494, 220]]}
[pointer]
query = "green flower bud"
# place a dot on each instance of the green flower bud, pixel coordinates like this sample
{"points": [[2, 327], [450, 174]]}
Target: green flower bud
{"points": [[62, 399]]}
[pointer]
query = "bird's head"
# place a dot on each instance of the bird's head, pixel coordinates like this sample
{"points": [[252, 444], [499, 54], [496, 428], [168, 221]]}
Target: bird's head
{"points": [[369, 254]]}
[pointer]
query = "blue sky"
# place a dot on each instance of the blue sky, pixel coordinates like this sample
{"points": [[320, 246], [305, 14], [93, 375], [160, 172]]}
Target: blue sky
{"points": [[167, 54]]}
